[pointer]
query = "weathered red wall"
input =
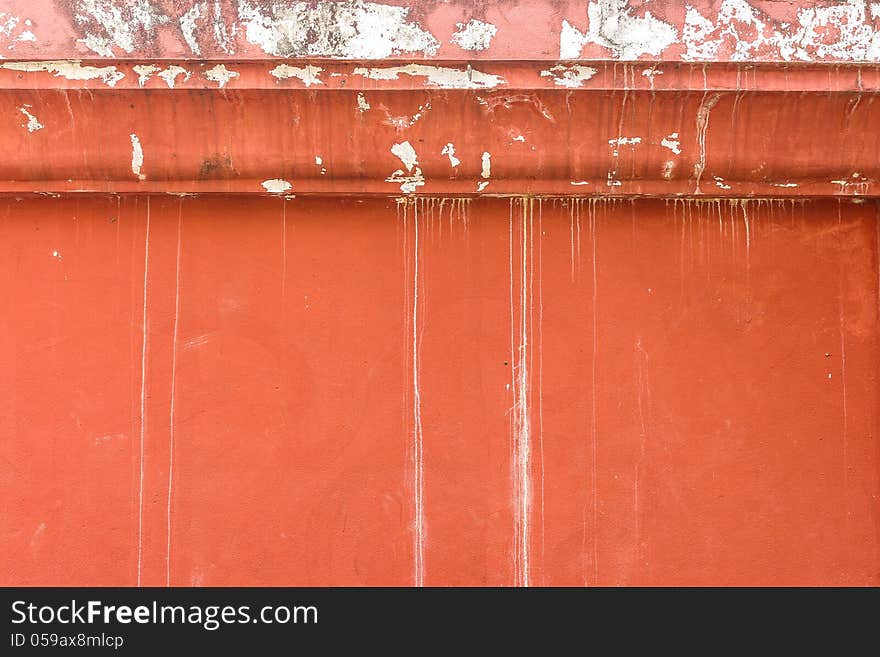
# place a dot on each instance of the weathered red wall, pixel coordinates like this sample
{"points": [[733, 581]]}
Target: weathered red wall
{"points": [[686, 391]]}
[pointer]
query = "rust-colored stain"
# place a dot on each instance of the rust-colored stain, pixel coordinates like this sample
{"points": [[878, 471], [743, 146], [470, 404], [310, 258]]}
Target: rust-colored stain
{"points": [[579, 292]]}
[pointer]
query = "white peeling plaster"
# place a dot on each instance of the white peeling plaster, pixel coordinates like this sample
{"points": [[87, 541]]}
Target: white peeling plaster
{"points": [[109, 25], [137, 157], [474, 35], [32, 123], [171, 73], [672, 143], [571, 76], [622, 141], [449, 150], [519, 138], [440, 76], [307, 74], [579, 182], [363, 105], [613, 25], [841, 32], [188, 27], [720, 182], [651, 73], [145, 72], [481, 186], [276, 186], [406, 154], [199, 13], [784, 184], [69, 69], [9, 25], [400, 123], [220, 74], [486, 170], [353, 29]]}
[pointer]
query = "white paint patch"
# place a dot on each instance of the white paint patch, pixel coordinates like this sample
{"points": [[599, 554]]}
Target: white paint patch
{"points": [[171, 74], [363, 105], [188, 26], [57, 254], [276, 186], [486, 170], [318, 160], [668, 168], [449, 150], [406, 154], [220, 74], [137, 157], [69, 69], [571, 76], [720, 182], [651, 73], [785, 184], [474, 35], [439, 76], [116, 25], [481, 186], [672, 143], [622, 141], [519, 138], [839, 32], [32, 123], [353, 29], [613, 26], [400, 123], [579, 182], [145, 72], [308, 74]]}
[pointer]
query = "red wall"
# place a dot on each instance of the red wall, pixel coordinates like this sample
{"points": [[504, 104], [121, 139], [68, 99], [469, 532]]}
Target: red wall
{"points": [[257, 391]]}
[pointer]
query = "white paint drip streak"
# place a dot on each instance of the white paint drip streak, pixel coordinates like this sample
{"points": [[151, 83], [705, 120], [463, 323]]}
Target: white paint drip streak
{"points": [[173, 390], [418, 482], [143, 399], [521, 421]]}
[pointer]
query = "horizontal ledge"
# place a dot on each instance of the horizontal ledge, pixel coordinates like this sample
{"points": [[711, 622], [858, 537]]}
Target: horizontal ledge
{"points": [[466, 189], [329, 75]]}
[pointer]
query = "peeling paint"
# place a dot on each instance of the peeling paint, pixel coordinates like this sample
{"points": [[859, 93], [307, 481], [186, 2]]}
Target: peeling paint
{"points": [[719, 181], [276, 186], [622, 141], [440, 76], [474, 35], [145, 72], [449, 150], [406, 154], [220, 74], [571, 76], [188, 27], [137, 157], [672, 143], [32, 123], [613, 25], [363, 105], [171, 74], [69, 69], [579, 182], [111, 25], [352, 29], [486, 170], [481, 186], [308, 74], [841, 31]]}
